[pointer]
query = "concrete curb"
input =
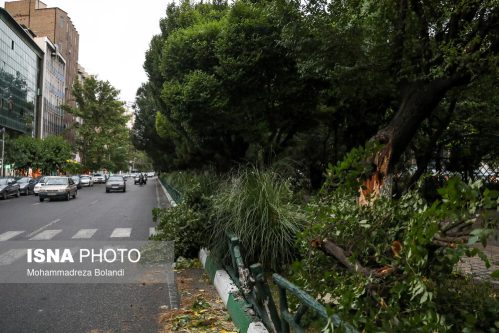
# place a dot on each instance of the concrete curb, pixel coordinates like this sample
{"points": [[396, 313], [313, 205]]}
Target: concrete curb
{"points": [[227, 290], [168, 196]]}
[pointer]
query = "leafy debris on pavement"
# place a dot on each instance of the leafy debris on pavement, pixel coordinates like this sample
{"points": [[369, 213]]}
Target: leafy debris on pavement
{"points": [[201, 310]]}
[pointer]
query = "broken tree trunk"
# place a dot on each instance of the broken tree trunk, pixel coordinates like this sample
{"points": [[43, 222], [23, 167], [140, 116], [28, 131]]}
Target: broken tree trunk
{"points": [[418, 103]]}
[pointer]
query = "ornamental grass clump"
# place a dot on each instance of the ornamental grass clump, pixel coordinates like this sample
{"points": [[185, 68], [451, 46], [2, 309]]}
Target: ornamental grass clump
{"points": [[257, 207]]}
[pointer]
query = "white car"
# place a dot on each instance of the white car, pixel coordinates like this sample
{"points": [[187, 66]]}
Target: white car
{"points": [[39, 185], [86, 180], [58, 187], [99, 178]]}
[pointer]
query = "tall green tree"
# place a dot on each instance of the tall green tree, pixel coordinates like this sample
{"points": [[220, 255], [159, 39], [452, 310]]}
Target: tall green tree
{"points": [[54, 152], [48, 155], [102, 136], [228, 92]]}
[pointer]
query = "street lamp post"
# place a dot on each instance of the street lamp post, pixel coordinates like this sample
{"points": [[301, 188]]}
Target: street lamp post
{"points": [[3, 150]]}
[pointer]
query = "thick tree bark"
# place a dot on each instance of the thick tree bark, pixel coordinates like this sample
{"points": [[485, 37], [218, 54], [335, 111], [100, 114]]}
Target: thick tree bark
{"points": [[418, 102]]}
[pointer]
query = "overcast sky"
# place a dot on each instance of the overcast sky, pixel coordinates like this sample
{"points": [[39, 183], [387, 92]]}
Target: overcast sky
{"points": [[114, 36]]}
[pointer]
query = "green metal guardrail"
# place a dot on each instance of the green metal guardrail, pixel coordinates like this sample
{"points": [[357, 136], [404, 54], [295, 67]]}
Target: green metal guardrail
{"points": [[253, 285], [176, 196], [306, 302]]}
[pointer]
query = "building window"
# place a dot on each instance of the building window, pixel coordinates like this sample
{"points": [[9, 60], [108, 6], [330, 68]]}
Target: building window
{"points": [[12, 45]]}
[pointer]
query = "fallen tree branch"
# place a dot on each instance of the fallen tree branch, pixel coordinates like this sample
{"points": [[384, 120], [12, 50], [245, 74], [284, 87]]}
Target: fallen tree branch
{"points": [[447, 239], [333, 250]]}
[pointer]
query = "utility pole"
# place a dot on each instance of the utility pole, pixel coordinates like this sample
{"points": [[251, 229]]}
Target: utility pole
{"points": [[3, 150]]}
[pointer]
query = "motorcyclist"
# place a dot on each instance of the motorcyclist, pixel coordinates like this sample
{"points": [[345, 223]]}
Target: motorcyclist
{"points": [[141, 179]]}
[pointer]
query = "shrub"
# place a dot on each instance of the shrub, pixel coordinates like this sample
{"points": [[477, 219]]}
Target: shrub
{"points": [[183, 225], [256, 206], [189, 223]]}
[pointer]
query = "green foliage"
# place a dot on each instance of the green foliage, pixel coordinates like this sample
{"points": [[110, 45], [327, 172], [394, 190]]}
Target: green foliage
{"points": [[102, 137], [410, 272], [222, 88], [188, 223], [260, 81], [256, 206], [355, 167], [183, 225], [49, 155]]}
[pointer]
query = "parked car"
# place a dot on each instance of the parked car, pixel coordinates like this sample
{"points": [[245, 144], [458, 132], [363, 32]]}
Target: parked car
{"points": [[99, 178], [58, 187], [115, 183], [76, 179], [9, 187], [40, 182], [86, 180], [26, 185]]}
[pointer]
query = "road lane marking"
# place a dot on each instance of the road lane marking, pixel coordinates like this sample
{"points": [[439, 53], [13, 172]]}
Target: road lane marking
{"points": [[10, 256], [121, 232], [152, 231], [46, 235], [84, 233], [9, 234], [43, 228], [94, 202], [36, 204]]}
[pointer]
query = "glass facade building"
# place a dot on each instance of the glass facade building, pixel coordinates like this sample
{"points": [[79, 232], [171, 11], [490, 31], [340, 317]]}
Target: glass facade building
{"points": [[53, 89], [20, 77]]}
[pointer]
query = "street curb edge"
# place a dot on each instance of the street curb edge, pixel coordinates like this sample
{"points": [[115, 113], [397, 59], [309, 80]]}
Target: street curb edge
{"points": [[168, 196], [228, 292]]}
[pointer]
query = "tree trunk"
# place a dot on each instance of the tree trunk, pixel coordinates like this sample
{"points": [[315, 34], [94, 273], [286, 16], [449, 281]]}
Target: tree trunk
{"points": [[418, 102]]}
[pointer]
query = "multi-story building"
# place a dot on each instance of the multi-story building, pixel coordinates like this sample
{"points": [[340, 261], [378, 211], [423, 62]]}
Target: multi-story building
{"points": [[82, 73], [130, 112], [20, 78], [55, 24], [53, 89]]}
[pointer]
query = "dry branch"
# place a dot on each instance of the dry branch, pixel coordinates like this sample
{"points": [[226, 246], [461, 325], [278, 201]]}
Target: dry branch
{"points": [[333, 250]]}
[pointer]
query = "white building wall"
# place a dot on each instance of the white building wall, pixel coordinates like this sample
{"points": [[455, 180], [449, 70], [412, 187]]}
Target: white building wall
{"points": [[53, 89]]}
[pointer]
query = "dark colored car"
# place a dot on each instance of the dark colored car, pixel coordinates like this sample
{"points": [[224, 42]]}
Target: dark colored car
{"points": [[8, 187], [77, 181], [115, 183], [26, 185]]}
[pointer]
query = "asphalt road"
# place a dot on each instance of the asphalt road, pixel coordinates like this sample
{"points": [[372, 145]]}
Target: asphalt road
{"points": [[97, 216]]}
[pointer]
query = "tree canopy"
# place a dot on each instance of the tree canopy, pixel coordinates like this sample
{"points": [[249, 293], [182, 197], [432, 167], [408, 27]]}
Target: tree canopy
{"points": [[102, 136], [262, 81], [47, 155]]}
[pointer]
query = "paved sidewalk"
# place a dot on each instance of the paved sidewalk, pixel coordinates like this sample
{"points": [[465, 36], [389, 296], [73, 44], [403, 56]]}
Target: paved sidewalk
{"points": [[476, 267]]}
